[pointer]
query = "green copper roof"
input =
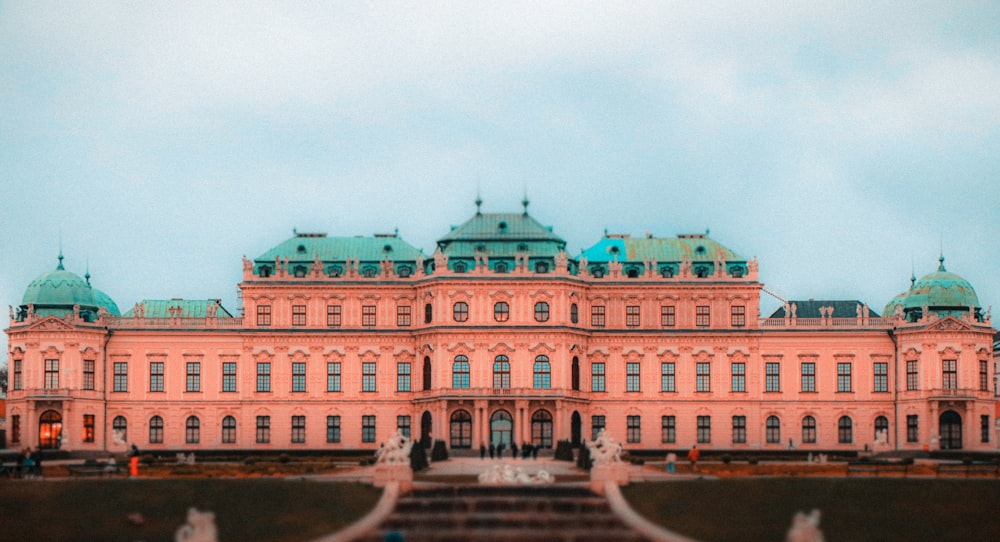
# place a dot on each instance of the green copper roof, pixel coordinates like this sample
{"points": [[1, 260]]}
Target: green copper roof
{"points": [[941, 289], [809, 308], [309, 247], [628, 249], [501, 234], [59, 288], [189, 308], [104, 300]]}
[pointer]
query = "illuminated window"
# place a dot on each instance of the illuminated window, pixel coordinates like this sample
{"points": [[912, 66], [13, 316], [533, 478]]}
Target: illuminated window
{"points": [[88, 428]]}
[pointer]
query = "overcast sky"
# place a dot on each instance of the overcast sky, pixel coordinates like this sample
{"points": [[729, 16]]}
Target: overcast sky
{"points": [[841, 143]]}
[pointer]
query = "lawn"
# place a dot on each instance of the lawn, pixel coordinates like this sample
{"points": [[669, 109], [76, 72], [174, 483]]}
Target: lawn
{"points": [[262, 509], [855, 509]]}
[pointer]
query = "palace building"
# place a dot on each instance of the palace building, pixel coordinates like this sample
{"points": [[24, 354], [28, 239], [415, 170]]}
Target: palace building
{"points": [[500, 336]]}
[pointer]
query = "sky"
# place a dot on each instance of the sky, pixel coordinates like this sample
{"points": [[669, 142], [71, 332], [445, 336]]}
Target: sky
{"points": [[844, 144]]}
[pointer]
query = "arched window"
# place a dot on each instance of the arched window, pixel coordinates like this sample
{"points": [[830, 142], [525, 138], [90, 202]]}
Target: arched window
{"points": [[50, 429], [500, 267], [808, 430], [460, 311], [576, 374], [541, 429], [773, 425], [264, 271], [882, 424], [667, 272], [574, 313], [541, 267], [156, 430], [119, 426], [460, 373], [228, 430], [459, 267], [541, 311], [543, 373], [192, 430], [501, 311], [845, 430], [501, 373], [428, 313], [369, 272], [461, 429], [427, 373]]}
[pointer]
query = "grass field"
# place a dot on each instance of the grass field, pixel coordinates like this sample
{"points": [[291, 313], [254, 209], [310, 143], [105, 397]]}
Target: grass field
{"points": [[856, 510]]}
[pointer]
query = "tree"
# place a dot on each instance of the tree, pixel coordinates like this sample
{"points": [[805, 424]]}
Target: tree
{"points": [[3, 380]]}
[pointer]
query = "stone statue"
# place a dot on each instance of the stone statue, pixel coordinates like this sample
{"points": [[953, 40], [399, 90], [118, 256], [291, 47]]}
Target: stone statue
{"points": [[200, 527], [805, 528], [395, 451], [118, 437], [604, 450], [507, 475]]}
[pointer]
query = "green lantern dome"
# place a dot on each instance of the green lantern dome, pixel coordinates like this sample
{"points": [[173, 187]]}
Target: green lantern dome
{"points": [[941, 292], [57, 292]]}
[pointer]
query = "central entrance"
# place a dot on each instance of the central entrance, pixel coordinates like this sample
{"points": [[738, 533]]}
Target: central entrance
{"points": [[501, 427], [950, 424], [50, 430]]}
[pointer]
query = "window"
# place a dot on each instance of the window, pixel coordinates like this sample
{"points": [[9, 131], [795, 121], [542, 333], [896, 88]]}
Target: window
{"points": [[51, 374], [403, 315], [772, 377], [501, 311], [843, 377], [597, 377], [704, 429], [739, 377], [702, 316], [298, 376], [427, 372], [368, 315], [229, 430], [541, 311], [298, 315], [575, 374], [263, 376], [739, 429], [596, 425], [773, 430], [88, 428], [574, 314], [368, 428], [597, 316], [333, 429], [17, 383], [912, 380], [404, 425], [88, 374], [808, 377], [632, 376], [156, 430], [460, 429], [460, 311], [229, 376], [263, 315], [632, 315], [192, 430], [668, 425], [333, 315], [703, 376], [738, 316], [500, 267], [428, 313], [633, 429], [667, 315], [881, 373], [845, 430], [912, 428], [298, 429], [984, 375], [333, 376], [809, 430], [403, 376], [121, 376], [984, 428], [119, 428], [949, 374], [541, 267], [881, 424], [668, 376], [193, 380], [368, 376], [501, 373], [263, 429], [543, 373], [15, 428]]}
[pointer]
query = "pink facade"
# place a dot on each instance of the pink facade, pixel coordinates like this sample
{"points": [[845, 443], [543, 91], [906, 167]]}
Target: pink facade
{"points": [[509, 341]]}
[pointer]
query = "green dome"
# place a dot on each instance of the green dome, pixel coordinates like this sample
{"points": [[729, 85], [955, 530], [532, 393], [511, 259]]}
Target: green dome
{"points": [[59, 288], [890, 308], [104, 301], [942, 292]]}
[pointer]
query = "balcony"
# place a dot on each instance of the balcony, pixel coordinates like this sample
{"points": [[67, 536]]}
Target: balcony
{"points": [[827, 323], [499, 393]]}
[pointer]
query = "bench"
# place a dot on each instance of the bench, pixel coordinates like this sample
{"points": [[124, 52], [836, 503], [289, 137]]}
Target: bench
{"points": [[94, 468], [967, 469], [877, 468]]}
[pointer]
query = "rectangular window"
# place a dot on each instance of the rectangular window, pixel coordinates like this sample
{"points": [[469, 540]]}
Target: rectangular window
{"points": [[263, 315], [912, 380], [368, 315], [403, 315], [299, 376], [704, 429], [403, 424], [333, 376], [51, 374], [156, 430], [772, 377], [229, 376], [984, 428], [633, 429], [668, 424], [263, 377], [368, 428], [912, 428], [156, 376], [263, 429], [298, 429], [17, 383], [844, 377], [15, 428], [298, 315], [984, 375], [333, 429], [121, 376], [88, 374], [702, 316], [597, 377], [739, 377], [368, 376], [632, 376], [597, 316], [193, 381], [668, 376], [88, 428], [949, 374], [596, 424], [738, 316], [809, 430], [632, 316], [333, 315], [881, 373], [739, 429], [402, 377], [703, 376], [667, 315], [809, 377]]}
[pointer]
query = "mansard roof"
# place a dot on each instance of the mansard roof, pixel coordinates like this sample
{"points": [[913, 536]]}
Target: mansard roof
{"points": [[501, 234], [810, 309], [625, 248], [308, 247], [189, 308]]}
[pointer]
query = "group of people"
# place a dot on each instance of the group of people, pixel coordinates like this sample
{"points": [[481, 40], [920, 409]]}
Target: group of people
{"points": [[29, 463], [497, 451]]}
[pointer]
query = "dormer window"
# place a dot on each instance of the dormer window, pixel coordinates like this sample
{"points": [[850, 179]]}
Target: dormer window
{"points": [[480, 247], [369, 272], [667, 272], [300, 271], [502, 226], [264, 271], [521, 247], [334, 271], [500, 267], [632, 273], [301, 249], [541, 267], [459, 267], [701, 271], [736, 271], [404, 271], [597, 272], [700, 249]]}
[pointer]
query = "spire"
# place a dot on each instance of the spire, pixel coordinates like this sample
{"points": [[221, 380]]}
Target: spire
{"points": [[941, 263], [60, 266], [913, 275], [86, 275], [525, 202], [479, 203]]}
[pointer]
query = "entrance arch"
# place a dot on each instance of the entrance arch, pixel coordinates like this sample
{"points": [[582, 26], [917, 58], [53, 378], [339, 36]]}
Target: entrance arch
{"points": [[501, 427], [426, 423], [950, 425], [50, 430], [541, 428], [461, 429], [576, 430]]}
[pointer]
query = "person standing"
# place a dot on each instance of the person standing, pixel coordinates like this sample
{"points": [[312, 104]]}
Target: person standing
{"points": [[693, 455], [133, 462], [493, 449], [513, 450], [482, 450]]}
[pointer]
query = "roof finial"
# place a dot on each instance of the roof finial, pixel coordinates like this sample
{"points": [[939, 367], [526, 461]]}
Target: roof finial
{"points": [[525, 200], [87, 274], [479, 202], [941, 254], [60, 266], [913, 274]]}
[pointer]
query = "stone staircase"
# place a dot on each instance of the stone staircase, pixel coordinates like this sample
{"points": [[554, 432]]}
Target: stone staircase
{"points": [[504, 514]]}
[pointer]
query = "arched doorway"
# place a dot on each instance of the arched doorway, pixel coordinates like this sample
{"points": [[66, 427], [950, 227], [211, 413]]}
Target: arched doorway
{"points": [[461, 429], [50, 430], [576, 429], [501, 426], [541, 428], [950, 424], [425, 429]]}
